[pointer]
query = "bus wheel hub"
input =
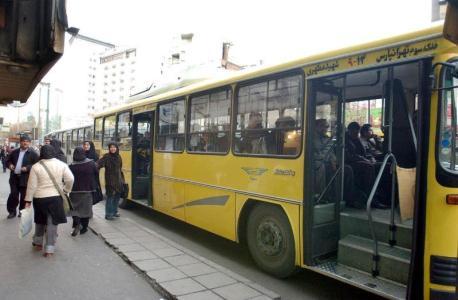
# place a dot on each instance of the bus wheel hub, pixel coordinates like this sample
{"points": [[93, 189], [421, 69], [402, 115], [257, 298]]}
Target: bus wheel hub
{"points": [[269, 238]]}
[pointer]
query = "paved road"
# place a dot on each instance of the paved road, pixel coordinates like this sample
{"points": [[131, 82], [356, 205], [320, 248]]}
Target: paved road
{"points": [[82, 268], [304, 285]]}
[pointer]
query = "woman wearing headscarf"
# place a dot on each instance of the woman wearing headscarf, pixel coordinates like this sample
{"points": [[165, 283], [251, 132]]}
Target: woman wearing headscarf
{"points": [[89, 150], [57, 145], [47, 202], [114, 181], [85, 171]]}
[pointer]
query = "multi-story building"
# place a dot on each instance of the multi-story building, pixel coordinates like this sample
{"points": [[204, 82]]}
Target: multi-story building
{"points": [[111, 78]]}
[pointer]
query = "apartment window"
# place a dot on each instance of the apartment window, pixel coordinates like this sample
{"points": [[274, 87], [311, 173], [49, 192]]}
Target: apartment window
{"points": [[171, 126]]}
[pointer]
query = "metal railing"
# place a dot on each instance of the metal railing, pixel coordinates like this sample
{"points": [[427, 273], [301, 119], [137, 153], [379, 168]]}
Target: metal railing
{"points": [[375, 255]]}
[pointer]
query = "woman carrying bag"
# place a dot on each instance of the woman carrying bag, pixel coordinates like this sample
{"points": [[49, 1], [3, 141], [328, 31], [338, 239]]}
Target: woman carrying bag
{"points": [[48, 180], [85, 172], [114, 181]]}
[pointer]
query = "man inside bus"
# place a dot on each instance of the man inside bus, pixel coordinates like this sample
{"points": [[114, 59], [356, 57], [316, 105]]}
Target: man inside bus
{"points": [[325, 164], [253, 140], [371, 142], [363, 163]]}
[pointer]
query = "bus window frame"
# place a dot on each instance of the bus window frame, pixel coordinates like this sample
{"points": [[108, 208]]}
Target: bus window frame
{"points": [[156, 125], [443, 176], [267, 78], [117, 138], [188, 118], [95, 127], [85, 135], [103, 130], [74, 142]]}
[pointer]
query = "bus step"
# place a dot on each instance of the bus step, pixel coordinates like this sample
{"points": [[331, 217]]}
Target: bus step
{"points": [[356, 252], [354, 222]]}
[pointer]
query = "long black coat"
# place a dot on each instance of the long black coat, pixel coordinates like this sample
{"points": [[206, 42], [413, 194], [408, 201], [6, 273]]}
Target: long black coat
{"points": [[30, 158], [113, 175]]}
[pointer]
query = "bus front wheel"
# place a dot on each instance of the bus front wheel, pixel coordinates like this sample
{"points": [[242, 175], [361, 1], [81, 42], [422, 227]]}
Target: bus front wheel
{"points": [[271, 241]]}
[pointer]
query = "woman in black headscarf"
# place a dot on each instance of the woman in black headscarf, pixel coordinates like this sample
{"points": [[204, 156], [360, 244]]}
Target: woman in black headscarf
{"points": [[47, 201], [85, 172], [114, 181], [89, 150], [59, 154]]}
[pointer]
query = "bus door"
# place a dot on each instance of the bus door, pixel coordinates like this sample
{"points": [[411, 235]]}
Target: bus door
{"points": [[325, 174], [142, 138]]}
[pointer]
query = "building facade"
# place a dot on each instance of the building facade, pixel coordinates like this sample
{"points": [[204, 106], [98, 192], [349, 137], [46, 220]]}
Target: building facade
{"points": [[111, 78]]}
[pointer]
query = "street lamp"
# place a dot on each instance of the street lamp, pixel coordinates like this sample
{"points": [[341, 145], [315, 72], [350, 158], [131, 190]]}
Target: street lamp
{"points": [[17, 104]]}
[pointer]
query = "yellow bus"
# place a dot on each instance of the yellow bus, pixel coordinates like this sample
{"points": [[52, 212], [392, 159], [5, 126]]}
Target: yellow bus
{"points": [[71, 138], [264, 157]]}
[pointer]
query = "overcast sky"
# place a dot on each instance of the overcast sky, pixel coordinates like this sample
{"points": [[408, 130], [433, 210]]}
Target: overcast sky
{"points": [[272, 31]]}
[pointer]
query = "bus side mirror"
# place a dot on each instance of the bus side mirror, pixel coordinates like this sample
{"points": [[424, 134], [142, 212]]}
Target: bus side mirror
{"points": [[451, 22]]}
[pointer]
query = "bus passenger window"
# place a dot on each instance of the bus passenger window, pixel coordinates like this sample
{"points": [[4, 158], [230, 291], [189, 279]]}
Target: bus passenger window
{"points": [[210, 122], [171, 127], [124, 134], [269, 117], [109, 126], [98, 129]]}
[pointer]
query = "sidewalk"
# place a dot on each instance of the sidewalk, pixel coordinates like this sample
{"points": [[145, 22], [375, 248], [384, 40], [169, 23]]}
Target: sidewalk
{"points": [[172, 269], [82, 268]]}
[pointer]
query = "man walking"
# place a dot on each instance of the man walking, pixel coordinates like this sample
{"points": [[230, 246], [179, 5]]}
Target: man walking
{"points": [[20, 162]]}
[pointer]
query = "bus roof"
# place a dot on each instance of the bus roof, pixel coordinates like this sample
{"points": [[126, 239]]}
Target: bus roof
{"points": [[152, 97]]}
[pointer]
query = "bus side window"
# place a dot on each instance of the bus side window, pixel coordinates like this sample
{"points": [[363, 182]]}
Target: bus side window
{"points": [[269, 117]]}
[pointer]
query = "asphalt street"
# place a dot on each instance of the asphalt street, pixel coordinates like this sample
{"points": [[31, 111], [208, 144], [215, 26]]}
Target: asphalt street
{"points": [[84, 267]]}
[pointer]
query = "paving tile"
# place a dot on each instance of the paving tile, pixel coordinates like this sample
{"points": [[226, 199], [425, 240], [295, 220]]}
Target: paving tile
{"points": [[120, 241], [214, 280], [166, 274], [238, 291], [166, 252], [131, 247], [139, 255], [206, 295], [180, 260], [196, 269], [151, 264], [114, 235], [182, 286], [263, 290], [154, 245], [147, 238], [263, 297]]}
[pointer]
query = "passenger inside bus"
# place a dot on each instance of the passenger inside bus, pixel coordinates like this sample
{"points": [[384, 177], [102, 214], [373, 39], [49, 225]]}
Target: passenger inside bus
{"points": [[253, 139], [365, 166], [371, 142], [326, 167]]}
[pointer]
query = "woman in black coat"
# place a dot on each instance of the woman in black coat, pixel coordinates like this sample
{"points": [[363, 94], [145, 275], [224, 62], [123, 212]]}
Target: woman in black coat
{"points": [[89, 150], [85, 172], [114, 181], [57, 145]]}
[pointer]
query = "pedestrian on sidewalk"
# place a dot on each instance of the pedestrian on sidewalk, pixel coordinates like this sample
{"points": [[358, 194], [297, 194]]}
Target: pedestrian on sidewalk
{"points": [[85, 172], [20, 162], [60, 155], [47, 202], [114, 181], [3, 157]]}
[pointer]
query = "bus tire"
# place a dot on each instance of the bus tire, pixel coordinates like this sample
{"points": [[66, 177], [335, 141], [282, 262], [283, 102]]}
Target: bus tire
{"points": [[124, 203], [270, 240]]}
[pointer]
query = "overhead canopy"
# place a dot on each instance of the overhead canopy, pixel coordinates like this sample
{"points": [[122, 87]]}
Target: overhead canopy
{"points": [[31, 41]]}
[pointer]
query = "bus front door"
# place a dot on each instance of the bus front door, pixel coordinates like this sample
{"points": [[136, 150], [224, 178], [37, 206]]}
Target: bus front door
{"points": [[143, 125], [324, 170]]}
